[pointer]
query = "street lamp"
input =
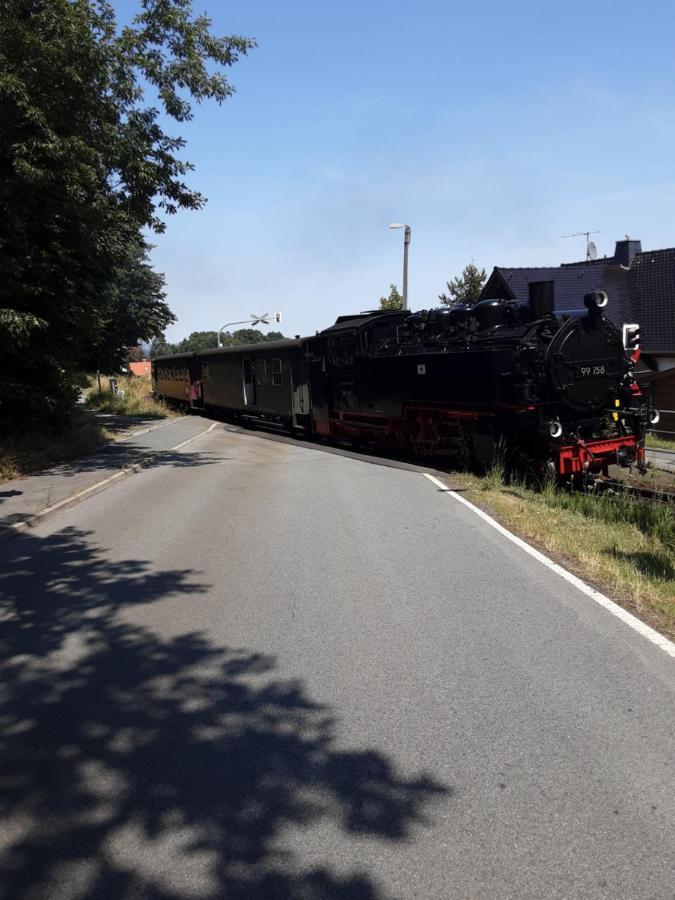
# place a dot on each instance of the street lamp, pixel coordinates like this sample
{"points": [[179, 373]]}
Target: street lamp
{"points": [[264, 319], [406, 242]]}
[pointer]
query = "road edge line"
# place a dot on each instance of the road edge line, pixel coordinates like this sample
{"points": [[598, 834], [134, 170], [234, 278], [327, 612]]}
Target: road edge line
{"points": [[133, 434], [193, 438], [628, 618]]}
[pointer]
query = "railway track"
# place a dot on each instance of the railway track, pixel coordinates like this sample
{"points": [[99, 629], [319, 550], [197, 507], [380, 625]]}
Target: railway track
{"points": [[652, 495]]}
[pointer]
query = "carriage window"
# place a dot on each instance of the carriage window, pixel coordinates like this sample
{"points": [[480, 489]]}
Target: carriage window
{"points": [[205, 371], [261, 371], [248, 371], [276, 372]]}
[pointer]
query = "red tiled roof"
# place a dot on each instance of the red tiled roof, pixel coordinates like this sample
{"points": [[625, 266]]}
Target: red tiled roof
{"points": [[140, 368]]}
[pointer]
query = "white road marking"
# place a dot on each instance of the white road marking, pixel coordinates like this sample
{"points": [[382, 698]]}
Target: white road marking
{"points": [[636, 624], [190, 440], [146, 430]]}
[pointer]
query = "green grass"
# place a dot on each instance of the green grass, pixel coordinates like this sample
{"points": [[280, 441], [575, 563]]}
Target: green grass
{"points": [[40, 448], [658, 443], [619, 542], [137, 400]]}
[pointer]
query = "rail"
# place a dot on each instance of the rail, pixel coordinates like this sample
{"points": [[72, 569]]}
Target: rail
{"points": [[621, 488], [661, 430]]}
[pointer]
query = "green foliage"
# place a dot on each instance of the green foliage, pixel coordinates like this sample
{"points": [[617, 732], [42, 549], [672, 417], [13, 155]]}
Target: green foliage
{"points": [[466, 288], [393, 301], [208, 340], [659, 443], [135, 310], [41, 447], [85, 165], [249, 336], [655, 520]]}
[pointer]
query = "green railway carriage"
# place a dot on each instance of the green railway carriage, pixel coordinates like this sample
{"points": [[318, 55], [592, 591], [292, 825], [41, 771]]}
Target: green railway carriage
{"points": [[266, 381]]}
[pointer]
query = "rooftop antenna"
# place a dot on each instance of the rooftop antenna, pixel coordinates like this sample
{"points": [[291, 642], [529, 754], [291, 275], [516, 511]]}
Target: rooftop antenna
{"points": [[591, 249]]}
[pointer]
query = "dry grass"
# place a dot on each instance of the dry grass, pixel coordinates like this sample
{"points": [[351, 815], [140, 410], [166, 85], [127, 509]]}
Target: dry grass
{"points": [[137, 399], [623, 545], [41, 448]]}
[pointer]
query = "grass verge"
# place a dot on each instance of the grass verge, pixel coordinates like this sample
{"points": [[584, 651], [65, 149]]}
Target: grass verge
{"points": [[135, 398], [83, 433], [41, 448], [624, 546], [658, 443]]}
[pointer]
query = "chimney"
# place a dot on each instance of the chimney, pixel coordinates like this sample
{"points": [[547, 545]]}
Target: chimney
{"points": [[625, 251]]}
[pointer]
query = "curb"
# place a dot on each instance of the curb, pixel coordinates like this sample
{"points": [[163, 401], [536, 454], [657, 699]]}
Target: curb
{"points": [[9, 531]]}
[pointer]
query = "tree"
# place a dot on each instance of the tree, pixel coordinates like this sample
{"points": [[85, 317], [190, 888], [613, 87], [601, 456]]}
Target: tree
{"points": [[466, 288], [135, 310], [393, 301], [135, 354], [207, 340], [85, 166], [198, 340]]}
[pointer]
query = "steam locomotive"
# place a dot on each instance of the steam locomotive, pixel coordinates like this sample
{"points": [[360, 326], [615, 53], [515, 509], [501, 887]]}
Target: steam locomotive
{"points": [[549, 390]]}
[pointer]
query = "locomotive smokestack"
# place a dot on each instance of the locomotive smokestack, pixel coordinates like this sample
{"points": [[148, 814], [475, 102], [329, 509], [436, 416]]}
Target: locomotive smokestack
{"points": [[542, 298]]}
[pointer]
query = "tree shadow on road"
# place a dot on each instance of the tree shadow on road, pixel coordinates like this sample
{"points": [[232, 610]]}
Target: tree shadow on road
{"points": [[134, 765]]}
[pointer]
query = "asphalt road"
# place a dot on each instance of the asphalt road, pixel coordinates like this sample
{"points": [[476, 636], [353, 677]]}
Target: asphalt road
{"points": [[262, 669]]}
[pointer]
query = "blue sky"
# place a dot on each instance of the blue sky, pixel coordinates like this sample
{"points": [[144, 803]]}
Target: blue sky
{"points": [[492, 128]]}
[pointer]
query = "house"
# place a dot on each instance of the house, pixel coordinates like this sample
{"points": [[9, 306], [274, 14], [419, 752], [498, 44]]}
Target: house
{"points": [[640, 285], [140, 368], [660, 388]]}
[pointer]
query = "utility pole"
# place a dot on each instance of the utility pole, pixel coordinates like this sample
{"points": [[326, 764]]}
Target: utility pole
{"points": [[407, 231]]}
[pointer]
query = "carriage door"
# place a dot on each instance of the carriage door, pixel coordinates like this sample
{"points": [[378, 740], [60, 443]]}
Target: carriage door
{"points": [[249, 381]]}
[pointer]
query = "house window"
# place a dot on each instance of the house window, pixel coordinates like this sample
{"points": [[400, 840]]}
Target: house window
{"points": [[276, 372], [261, 371]]}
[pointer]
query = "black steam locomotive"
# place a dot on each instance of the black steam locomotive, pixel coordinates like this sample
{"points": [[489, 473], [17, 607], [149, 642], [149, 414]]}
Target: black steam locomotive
{"points": [[549, 390]]}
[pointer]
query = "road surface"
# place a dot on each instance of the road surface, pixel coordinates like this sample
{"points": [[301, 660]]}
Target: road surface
{"points": [[261, 668]]}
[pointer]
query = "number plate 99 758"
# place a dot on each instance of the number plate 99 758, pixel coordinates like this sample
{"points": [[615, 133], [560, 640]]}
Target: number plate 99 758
{"points": [[592, 371]]}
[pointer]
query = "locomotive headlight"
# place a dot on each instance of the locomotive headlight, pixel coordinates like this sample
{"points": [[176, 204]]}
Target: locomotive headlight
{"points": [[555, 429], [654, 417]]}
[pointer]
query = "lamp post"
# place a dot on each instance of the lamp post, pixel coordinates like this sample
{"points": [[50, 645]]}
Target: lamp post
{"points": [[264, 319], [406, 242]]}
